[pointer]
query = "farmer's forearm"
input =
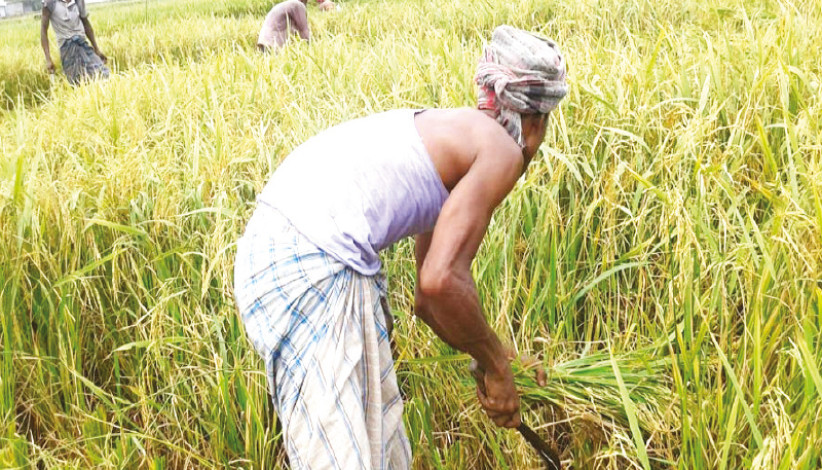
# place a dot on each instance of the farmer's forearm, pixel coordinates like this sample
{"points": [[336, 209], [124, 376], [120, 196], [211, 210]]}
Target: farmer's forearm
{"points": [[90, 34], [44, 40], [448, 299], [450, 306]]}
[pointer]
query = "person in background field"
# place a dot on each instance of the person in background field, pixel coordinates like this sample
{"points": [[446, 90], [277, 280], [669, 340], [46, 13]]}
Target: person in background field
{"points": [[326, 5], [73, 30], [308, 279], [282, 19]]}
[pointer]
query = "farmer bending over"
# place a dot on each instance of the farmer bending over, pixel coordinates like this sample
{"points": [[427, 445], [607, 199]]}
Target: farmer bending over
{"points": [[308, 279], [282, 18], [73, 30]]}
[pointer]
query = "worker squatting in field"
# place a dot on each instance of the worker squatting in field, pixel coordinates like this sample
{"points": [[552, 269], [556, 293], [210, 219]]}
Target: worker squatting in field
{"points": [[308, 280], [284, 19], [73, 31]]}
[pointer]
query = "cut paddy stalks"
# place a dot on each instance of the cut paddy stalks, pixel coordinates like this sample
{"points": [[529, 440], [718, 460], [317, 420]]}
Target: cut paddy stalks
{"points": [[597, 388]]}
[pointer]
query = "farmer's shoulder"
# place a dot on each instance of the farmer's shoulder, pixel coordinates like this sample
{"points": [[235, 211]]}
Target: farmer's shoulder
{"points": [[486, 134], [472, 130], [458, 139]]}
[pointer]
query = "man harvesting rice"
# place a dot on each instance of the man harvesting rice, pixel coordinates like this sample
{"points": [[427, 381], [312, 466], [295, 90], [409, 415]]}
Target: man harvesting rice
{"points": [[308, 278], [283, 19], [73, 30]]}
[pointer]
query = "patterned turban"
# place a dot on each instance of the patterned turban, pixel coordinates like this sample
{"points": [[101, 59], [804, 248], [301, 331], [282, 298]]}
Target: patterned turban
{"points": [[519, 73]]}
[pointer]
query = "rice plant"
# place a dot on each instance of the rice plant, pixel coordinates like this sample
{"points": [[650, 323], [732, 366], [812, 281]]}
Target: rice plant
{"points": [[662, 256]]}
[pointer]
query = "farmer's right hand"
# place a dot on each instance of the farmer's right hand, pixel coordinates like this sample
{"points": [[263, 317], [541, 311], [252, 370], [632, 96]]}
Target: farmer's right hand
{"points": [[50, 66], [498, 395]]}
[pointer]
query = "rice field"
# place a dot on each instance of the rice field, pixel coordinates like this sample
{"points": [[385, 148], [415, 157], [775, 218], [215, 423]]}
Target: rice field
{"points": [[663, 255]]}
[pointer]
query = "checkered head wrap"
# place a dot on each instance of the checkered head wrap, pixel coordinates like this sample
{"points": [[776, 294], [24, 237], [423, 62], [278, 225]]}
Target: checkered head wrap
{"points": [[519, 73]]}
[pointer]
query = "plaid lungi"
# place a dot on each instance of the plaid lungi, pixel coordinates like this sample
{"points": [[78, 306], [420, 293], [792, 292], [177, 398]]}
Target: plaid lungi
{"points": [[80, 62], [320, 328]]}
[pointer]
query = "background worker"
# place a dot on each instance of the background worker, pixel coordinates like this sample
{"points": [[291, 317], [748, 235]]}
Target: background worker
{"points": [[80, 60], [285, 18]]}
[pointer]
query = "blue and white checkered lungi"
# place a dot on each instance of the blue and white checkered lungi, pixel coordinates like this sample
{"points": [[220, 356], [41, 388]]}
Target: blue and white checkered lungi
{"points": [[320, 328], [80, 62]]}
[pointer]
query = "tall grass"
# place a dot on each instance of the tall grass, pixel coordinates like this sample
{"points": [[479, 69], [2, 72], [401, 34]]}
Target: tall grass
{"points": [[664, 254]]}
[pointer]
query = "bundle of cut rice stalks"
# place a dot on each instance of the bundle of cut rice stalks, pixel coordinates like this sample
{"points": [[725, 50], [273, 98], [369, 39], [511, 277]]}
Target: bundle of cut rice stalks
{"points": [[625, 401]]}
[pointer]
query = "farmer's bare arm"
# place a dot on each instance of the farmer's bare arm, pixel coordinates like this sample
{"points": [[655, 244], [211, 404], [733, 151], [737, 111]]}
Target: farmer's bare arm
{"points": [[90, 35], [422, 242], [447, 297], [44, 38]]}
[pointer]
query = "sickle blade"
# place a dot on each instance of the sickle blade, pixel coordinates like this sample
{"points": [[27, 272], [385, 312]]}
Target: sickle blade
{"points": [[546, 452]]}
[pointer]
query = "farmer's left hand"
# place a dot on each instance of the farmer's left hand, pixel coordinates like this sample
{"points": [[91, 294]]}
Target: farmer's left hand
{"points": [[531, 362]]}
